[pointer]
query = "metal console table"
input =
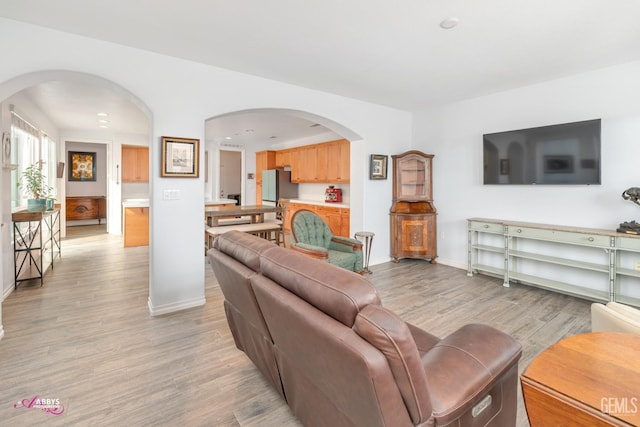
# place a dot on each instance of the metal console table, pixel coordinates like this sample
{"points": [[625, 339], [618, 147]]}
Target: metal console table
{"points": [[36, 243]]}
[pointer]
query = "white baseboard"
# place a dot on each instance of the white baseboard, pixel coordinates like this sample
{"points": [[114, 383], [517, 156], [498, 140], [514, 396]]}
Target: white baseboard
{"points": [[173, 307], [438, 261], [8, 291], [452, 264]]}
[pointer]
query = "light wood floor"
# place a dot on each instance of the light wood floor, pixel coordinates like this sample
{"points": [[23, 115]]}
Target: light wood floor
{"points": [[86, 338]]}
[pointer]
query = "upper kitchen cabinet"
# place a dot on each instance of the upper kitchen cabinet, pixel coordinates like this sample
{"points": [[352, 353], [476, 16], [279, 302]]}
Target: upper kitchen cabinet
{"points": [[338, 161], [135, 163], [312, 163], [283, 158], [321, 163]]}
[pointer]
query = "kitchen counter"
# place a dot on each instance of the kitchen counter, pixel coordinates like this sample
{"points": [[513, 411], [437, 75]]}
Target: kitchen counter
{"points": [[135, 203], [320, 203], [220, 202]]}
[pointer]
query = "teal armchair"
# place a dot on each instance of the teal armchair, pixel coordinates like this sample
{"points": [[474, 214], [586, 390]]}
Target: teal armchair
{"points": [[313, 237]]}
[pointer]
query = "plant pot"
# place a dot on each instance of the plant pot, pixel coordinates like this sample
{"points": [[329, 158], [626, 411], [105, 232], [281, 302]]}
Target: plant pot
{"points": [[50, 204], [37, 205]]}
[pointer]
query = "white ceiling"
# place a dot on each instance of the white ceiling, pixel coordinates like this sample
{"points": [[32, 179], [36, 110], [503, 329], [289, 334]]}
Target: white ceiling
{"points": [[391, 53]]}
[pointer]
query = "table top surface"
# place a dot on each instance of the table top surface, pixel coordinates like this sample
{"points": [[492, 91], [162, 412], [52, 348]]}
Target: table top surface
{"points": [[240, 210], [600, 369]]}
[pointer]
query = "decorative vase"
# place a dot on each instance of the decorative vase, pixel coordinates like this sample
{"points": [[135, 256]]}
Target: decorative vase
{"points": [[37, 205], [50, 204]]}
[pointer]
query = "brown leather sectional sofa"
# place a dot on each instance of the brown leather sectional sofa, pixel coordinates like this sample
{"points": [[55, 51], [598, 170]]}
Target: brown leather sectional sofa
{"points": [[319, 334]]}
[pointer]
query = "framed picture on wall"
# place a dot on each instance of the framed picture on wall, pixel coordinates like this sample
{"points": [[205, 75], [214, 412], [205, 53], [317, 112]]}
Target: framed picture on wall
{"points": [[180, 157], [6, 151], [82, 166], [378, 167]]}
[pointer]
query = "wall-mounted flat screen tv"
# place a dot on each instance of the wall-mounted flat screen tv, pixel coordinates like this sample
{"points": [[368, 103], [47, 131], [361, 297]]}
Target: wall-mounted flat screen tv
{"points": [[563, 154]]}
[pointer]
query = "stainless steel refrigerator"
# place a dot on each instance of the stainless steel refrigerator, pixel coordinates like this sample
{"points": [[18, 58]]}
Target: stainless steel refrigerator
{"points": [[276, 185]]}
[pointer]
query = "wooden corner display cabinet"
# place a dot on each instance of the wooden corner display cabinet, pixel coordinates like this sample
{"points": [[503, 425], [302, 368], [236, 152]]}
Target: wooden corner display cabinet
{"points": [[412, 214]]}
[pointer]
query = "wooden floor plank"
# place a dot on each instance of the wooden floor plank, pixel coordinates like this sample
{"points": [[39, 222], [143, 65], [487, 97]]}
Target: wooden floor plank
{"points": [[86, 337]]}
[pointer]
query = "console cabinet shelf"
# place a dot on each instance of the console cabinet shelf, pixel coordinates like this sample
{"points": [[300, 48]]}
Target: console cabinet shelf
{"points": [[599, 265], [36, 243]]}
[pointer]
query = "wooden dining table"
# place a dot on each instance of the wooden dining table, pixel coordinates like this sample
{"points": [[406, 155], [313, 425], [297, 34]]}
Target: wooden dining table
{"points": [[254, 212], [590, 379]]}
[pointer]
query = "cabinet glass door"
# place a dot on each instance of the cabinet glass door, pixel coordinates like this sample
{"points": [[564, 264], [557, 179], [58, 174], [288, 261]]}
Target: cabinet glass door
{"points": [[413, 173]]}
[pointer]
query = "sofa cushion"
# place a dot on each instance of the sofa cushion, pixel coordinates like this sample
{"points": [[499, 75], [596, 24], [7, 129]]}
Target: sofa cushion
{"points": [[389, 334], [242, 247], [339, 293]]}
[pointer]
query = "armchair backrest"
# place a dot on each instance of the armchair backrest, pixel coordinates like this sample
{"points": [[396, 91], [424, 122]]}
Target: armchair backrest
{"points": [[307, 227]]}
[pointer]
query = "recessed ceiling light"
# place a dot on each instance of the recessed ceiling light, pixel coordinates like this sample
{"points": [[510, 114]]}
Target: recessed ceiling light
{"points": [[102, 114], [227, 137], [449, 23], [103, 121], [104, 126]]}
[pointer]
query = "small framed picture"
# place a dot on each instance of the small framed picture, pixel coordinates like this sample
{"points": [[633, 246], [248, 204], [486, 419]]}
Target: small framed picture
{"points": [[180, 157], [378, 166], [82, 166], [6, 149]]}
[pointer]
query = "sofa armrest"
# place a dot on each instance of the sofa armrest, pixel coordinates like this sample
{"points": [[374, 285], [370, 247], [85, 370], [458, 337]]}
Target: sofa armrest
{"points": [[606, 319], [345, 244], [627, 311], [465, 366], [311, 250]]}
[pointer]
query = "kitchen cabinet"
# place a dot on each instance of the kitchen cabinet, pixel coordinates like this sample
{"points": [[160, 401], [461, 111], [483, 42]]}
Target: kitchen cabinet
{"points": [[264, 160], [135, 163], [337, 218], [338, 161], [283, 158], [136, 226], [412, 214], [317, 163], [328, 162]]}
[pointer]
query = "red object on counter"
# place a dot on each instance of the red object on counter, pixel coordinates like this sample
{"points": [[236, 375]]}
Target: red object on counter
{"points": [[333, 195]]}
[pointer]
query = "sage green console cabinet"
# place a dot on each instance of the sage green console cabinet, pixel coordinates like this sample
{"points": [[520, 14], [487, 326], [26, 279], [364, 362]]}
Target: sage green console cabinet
{"points": [[599, 265]]}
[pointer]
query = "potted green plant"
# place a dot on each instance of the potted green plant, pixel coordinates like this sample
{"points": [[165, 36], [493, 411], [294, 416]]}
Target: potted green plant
{"points": [[34, 184]]}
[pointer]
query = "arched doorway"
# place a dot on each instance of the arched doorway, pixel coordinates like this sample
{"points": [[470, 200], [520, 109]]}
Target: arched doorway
{"points": [[37, 90], [249, 131]]}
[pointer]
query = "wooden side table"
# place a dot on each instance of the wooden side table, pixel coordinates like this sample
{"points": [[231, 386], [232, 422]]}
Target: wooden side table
{"points": [[589, 379]]}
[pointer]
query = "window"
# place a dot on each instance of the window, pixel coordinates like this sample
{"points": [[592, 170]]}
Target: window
{"points": [[28, 146]]}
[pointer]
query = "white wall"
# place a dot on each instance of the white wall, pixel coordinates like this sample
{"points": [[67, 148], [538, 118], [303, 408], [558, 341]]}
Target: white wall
{"points": [[454, 134], [181, 95]]}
